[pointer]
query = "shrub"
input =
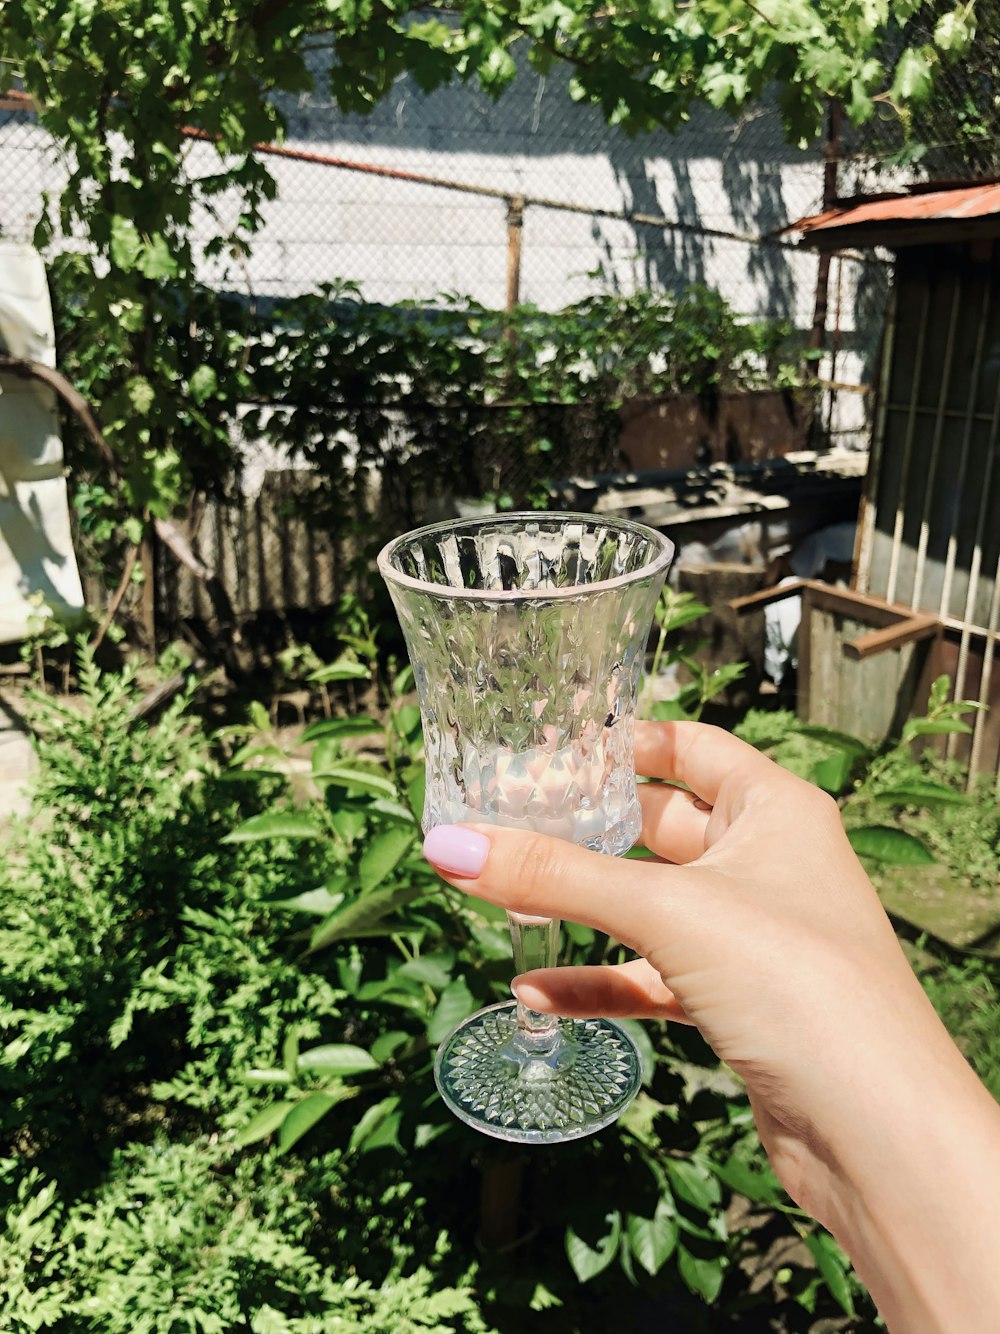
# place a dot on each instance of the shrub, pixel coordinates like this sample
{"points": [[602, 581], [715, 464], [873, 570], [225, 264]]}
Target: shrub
{"points": [[221, 990]]}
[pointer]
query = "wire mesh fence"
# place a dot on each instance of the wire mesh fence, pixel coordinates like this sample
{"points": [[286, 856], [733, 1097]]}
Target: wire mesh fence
{"points": [[532, 198]]}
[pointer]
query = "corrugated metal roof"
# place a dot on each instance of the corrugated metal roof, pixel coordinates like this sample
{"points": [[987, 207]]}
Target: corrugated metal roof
{"points": [[906, 217]]}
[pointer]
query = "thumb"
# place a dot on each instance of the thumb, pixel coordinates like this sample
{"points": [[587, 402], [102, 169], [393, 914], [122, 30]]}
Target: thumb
{"points": [[541, 876]]}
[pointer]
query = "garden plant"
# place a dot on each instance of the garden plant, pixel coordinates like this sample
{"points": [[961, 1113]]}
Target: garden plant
{"points": [[225, 968]]}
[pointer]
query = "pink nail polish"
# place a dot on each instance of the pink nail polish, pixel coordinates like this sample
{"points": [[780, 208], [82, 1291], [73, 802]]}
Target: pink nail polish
{"points": [[459, 851]]}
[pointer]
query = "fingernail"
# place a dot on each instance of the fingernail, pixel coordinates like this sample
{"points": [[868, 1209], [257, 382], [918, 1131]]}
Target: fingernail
{"points": [[457, 850], [529, 995]]}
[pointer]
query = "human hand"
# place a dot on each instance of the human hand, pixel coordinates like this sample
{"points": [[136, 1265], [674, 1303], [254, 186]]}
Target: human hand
{"points": [[761, 927]]}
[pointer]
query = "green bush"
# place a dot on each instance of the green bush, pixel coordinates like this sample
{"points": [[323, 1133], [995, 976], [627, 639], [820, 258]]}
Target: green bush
{"points": [[201, 1238], [225, 967], [134, 945]]}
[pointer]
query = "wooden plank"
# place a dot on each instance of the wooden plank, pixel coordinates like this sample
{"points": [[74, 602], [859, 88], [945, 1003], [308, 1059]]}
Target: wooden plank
{"points": [[804, 672], [873, 610], [824, 643], [757, 601], [891, 637]]}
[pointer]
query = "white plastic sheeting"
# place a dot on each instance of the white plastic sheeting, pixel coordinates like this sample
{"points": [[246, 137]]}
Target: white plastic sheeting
{"points": [[37, 562]]}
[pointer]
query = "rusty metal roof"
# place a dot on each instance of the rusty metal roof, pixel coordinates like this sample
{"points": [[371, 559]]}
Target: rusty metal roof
{"points": [[956, 212]]}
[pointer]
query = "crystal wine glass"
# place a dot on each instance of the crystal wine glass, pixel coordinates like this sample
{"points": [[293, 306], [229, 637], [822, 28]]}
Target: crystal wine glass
{"points": [[527, 633]]}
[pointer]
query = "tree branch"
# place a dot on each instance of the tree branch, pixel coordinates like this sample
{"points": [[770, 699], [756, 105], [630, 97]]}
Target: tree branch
{"points": [[116, 600], [71, 396]]}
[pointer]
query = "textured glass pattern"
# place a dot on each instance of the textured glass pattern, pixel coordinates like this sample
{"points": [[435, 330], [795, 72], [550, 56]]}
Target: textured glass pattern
{"points": [[527, 691], [589, 1078], [527, 634]]}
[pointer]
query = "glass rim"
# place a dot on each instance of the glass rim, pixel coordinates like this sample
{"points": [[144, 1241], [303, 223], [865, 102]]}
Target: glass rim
{"points": [[650, 569]]}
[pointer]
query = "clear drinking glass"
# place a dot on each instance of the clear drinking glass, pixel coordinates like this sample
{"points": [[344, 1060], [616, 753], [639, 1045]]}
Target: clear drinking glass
{"points": [[527, 634]]}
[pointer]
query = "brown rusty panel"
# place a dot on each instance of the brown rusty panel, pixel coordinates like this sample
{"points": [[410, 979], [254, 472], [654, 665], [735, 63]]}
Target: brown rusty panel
{"points": [[687, 430]]}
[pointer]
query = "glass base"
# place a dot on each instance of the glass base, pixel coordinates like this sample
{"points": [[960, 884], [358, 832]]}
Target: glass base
{"points": [[528, 1090]]}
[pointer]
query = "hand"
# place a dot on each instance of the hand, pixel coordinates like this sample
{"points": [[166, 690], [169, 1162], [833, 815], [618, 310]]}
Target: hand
{"points": [[760, 926]]}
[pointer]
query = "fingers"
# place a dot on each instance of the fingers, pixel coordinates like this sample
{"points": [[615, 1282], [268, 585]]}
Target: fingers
{"points": [[706, 759], [674, 822], [626, 991], [547, 877]]}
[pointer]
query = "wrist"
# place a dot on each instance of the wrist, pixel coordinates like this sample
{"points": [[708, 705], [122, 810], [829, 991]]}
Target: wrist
{"points": [[914, 1186]]}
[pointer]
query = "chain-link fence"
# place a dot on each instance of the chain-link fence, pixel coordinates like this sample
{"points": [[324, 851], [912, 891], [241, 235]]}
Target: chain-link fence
{"points": [[531, 198]]}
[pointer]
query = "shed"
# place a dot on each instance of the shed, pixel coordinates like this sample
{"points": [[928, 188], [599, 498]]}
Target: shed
{"points": [[927, 556]]}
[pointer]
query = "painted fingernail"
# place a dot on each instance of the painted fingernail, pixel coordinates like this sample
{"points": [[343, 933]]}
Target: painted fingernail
{"points": [[457, 850]]}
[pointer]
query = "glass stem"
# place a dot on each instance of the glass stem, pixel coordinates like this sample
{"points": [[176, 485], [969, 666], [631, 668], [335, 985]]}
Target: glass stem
{"points": [[535, 941]]}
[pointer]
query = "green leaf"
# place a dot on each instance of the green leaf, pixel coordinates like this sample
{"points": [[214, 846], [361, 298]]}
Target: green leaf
{"points": [[290, 1052], [303, 1116], [277, 824], [157, 259], [382, 1117], [431, 970], [831, 737], [344, 669], [933, 727], [259, 716], [406, 720], [363, 914], [134, 529], [652, 1240], [702, 1276], [589, 1261], [885, 844], [320, 902], [387, 1044], [542, 1299], [668, 711], [339, 727], [265, 1123], [382, 855], [833, 1265], [263, 1077], [203, 383], [828, 66], [141, 394], [455, 1004], [342, 775], [914, 77], [757, 1184], [126, 243], [336, 1061], [393, 809], [348, 821], [832, 773], [920, 793], [416, 786], [953, 31], [676, 618], [694, 1182]]}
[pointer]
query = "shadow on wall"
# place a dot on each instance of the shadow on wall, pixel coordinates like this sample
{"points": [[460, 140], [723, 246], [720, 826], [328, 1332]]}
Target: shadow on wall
{"points": [[712, 171]]}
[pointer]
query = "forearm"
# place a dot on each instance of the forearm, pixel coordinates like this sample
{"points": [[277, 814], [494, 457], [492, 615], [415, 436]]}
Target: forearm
{"points": [[917, 1199]]}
